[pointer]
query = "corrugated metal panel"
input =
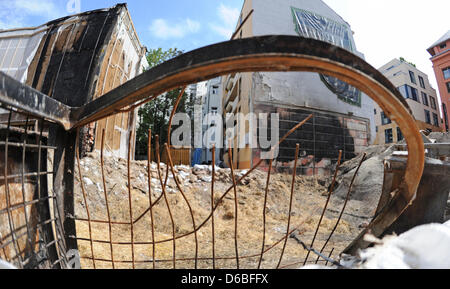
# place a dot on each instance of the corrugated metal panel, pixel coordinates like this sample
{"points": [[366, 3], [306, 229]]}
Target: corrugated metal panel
{"points": [[17, 50]]}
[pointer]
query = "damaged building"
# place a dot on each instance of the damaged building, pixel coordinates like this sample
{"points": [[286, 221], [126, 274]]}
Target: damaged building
{"points": [[343, 116], [76, 59]]}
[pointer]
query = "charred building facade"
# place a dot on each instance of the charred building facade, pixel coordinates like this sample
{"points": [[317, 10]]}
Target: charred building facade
{"points": [[76, 59], [343, 116]]}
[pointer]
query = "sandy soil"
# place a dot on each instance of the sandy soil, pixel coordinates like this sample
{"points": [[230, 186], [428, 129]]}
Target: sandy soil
{"points": [[310, 194]]}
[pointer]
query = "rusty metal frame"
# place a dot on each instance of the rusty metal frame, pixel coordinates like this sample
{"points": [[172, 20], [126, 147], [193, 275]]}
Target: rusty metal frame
{"points": [[267, 53], [15, 94], [280, 53]]}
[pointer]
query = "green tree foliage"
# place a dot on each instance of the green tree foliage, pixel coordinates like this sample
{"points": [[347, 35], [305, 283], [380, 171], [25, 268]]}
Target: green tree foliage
{"points": [[155, 115], [404, 60], [157, 56]]}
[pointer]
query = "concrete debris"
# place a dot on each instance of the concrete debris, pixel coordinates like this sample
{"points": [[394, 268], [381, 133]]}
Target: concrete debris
{"points": [[424, 247], [309, 199], [367, 187]]}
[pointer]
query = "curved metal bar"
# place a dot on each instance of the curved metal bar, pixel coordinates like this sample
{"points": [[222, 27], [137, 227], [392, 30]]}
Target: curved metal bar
{"points": [[278, 53], [266, 53], [191, 211]]}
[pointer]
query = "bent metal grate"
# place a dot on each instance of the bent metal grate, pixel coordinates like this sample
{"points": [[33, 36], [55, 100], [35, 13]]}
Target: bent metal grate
{"points": [[40, 159]]}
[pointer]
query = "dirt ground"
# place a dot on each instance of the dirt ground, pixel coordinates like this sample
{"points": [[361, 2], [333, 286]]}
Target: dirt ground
{"points": [[310, 194]]}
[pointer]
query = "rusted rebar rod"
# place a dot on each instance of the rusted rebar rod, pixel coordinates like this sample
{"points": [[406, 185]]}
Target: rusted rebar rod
{"points": [[149, 177], [330, 191], [213, 237], [29, 241], [185, 199], [264, 212], [130, 199], [294, 175], [77, 154], [236, 209], [8, 198], [108, 212], [345, 205], [163, 187]]}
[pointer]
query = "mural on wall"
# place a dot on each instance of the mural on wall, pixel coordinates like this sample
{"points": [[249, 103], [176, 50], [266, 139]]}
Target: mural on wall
{"points": [[312, 25]]}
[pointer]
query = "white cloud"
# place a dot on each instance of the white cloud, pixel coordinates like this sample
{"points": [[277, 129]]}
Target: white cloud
{"points": [[382, 32], [42, 7], [229, 17], [13, 14], [163, 29]]}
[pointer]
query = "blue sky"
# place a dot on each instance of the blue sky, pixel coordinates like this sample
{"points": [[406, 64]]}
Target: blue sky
{"points": [[174, 23], [384, 29]]}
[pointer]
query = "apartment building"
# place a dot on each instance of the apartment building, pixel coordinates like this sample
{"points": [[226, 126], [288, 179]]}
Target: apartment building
{"points": [[343, 116], [440, 52], [212, 129], [415, 87]]}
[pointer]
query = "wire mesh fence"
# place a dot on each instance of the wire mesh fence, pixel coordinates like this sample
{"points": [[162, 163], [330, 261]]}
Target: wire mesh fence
{"points": [[172, 229], [45, 221], [31, 234]]}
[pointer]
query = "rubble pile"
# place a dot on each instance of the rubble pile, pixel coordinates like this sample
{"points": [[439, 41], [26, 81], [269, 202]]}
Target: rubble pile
{"points": [[310, 194]]}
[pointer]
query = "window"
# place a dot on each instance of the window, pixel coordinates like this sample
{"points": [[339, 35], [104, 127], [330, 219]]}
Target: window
{"points": [[215, 89], [414, 94], [388, 136], [375, 111], [403, 90], [446, 73], [425, 99], [399, 134], [442, 46], [427, 117], [435, 120], [444, 109], [413, 77], [409, 92], [390, 67], [385, 120], [433, 103], [448, 87], [421, 81]]}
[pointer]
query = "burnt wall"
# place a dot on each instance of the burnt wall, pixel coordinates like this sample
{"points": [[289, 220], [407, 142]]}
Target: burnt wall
{"points": [[66, 67], [68, 59], [320, 139]]}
